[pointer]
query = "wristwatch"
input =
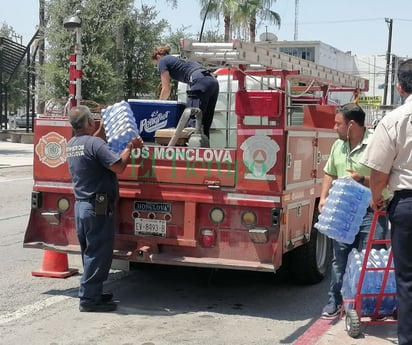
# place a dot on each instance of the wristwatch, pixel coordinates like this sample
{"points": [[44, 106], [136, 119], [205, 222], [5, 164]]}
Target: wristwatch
{"points": [[361, 179]]}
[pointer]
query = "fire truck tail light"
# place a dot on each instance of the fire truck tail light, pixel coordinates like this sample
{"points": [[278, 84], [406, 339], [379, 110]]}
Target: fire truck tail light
{"points": [[248, 218], [216, 215], [36, 200], [208, 238], [167, 217], [276, 216], [63, 204]]}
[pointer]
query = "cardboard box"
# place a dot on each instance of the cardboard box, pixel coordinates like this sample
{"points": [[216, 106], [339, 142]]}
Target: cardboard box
{"points": [[163, 136], [152, 115]]}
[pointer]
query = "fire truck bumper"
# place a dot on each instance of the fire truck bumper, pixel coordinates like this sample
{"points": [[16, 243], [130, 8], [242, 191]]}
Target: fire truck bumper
{"points": [[145, 256]]}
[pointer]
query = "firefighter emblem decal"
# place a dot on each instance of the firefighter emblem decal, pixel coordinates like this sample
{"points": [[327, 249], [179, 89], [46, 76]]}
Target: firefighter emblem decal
{"points": [[51, 149], [259, 156]]}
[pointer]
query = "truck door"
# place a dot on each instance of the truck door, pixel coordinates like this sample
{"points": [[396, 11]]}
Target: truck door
{"points": [[300, 158]]}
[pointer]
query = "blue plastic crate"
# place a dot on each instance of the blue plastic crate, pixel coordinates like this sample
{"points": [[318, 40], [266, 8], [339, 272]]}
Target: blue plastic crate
{"points": [[152, 115]]}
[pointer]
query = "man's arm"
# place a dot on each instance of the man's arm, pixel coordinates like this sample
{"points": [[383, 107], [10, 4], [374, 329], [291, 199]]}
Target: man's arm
{"points": [[378, 181], [121, 164], [362, 179], [166, 88], [326, 185]]}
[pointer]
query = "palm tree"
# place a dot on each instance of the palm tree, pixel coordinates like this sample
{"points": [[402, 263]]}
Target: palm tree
{"points": [[218, 7], [250, 10], [240, 13]]}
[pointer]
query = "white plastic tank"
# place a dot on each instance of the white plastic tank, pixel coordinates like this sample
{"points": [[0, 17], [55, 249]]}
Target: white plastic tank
{"points": [[223, 129]]}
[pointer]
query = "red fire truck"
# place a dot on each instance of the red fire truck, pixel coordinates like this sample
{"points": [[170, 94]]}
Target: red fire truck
{"points": [[248, 204]]}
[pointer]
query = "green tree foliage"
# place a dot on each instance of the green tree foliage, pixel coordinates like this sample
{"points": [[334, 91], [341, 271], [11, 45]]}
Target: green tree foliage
{"points": [[116, 44], [140, 40], [250, 10], [212, 36], [218, 9]]}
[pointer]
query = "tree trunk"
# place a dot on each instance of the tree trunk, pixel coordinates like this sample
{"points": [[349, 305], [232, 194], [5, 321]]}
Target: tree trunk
{"points": [[227, 29], [252, 29]]}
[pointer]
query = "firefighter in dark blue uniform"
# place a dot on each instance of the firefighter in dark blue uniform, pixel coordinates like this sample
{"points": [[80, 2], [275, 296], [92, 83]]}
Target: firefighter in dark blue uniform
{"points": [[93, 168], [203, 85]]}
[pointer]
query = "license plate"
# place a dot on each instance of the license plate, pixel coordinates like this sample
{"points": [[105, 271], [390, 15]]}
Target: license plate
{"points": [[154, 227]]}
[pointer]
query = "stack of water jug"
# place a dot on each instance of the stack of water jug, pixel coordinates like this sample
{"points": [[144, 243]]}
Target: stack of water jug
{"points": [[372, 281], [120, 125], [344, 210]]}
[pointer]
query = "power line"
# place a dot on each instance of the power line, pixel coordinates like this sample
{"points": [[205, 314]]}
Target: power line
{"points": [[370, 64], [352, 21]]}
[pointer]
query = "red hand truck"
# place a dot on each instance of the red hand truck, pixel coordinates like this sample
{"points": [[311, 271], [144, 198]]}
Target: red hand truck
{"points": [[354, 317]]}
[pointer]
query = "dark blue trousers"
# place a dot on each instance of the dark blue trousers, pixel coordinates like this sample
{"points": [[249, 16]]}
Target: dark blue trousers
{"points": [[203, 94], [96, 238], [400, 217]]}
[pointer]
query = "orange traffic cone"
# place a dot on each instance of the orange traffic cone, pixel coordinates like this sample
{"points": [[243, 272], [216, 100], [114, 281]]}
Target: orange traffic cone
{"points": [[55, 265]]}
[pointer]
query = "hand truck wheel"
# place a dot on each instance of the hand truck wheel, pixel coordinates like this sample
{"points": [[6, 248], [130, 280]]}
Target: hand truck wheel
{"points": [[352, 323]]}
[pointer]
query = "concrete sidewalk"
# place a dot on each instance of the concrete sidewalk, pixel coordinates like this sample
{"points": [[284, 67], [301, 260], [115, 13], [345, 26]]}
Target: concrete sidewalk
{"points": [[15, 154]]}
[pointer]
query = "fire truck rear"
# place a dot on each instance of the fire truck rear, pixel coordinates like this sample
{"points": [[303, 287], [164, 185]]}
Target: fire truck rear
{"points": [[248, 202]]}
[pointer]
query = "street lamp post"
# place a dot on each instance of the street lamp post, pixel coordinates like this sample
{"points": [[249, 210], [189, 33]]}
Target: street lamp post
{"points": [[388, 60], [74, 23]]}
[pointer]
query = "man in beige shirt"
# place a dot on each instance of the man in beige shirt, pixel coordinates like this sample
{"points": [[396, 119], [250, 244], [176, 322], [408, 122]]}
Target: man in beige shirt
{"points": [[389, 155]]}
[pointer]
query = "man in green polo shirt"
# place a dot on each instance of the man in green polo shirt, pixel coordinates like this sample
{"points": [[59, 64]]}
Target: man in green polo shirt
{"points": [[344, 159]]}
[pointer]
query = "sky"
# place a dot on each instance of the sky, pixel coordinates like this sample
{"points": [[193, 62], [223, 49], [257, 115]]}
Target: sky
{"points": [[358, 26]]}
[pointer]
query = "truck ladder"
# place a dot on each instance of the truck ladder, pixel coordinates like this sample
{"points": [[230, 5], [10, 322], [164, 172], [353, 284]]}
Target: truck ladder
{"points": [[246, 53]]}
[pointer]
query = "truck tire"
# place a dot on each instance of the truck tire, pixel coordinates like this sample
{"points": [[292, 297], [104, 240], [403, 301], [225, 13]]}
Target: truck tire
{"points": [[309, 263]]}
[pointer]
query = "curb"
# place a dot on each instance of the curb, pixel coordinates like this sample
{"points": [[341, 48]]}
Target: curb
{"points": [[17, 137]]}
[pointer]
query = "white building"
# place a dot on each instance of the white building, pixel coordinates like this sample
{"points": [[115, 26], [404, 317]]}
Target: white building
{"points": [[371, 68]]}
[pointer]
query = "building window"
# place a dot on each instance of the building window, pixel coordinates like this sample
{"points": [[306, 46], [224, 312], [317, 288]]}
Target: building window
{"points": [[306, 53]]}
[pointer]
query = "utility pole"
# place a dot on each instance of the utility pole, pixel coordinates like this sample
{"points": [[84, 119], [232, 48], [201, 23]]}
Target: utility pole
{"points": [[388, 60], [295, 36], [393, 78]]}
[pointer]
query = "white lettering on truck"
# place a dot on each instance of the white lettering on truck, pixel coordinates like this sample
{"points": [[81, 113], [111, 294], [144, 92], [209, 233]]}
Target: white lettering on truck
{"points": [[185, 154]]}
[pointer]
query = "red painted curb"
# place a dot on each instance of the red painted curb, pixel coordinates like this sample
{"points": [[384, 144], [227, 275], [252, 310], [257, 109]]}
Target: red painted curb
{"points": [[314, 332]]}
